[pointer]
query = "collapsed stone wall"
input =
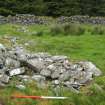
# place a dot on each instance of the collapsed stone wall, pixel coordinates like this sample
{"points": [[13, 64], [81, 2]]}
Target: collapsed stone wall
{"points": [[3, 20], [32, 19], [44, 68], [82, 19], [26, 19]]}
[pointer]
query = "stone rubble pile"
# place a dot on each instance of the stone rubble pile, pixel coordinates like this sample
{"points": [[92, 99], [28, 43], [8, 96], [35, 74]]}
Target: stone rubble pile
{"points": [[44, 69]]}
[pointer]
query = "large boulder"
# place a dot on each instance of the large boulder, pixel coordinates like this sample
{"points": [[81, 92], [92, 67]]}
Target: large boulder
{"points": [[46, 73], [40, 80], [11, 63], [16, 71], [35, 64], [90, 67], [4, 78], [65, 76]]}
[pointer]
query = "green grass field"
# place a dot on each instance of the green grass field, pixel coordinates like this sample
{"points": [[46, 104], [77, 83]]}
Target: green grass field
{"points": [[83, 47]]}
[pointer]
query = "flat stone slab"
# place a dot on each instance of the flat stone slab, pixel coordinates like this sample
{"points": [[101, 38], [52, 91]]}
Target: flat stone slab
{"points": [[17, 71]]}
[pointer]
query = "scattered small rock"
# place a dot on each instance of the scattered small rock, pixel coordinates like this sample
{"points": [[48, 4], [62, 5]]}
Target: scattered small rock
{"points": [[21, 87]]}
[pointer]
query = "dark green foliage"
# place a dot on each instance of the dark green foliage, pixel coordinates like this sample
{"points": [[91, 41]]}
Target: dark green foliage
{"points": [[36, 7], [5, 12], [53, 7]]}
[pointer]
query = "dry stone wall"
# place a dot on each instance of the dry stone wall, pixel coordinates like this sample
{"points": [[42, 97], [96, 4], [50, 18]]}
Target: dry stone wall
{"points": [[32, 19]]}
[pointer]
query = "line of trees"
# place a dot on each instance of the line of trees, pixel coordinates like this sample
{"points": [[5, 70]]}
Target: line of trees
{"points": [[53, 7]]}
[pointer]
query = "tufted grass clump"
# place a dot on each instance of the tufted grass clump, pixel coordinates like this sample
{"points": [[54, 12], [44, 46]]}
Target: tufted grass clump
{"points": [[98, 30], [73, 29], [67, 29], [56, 30]]}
